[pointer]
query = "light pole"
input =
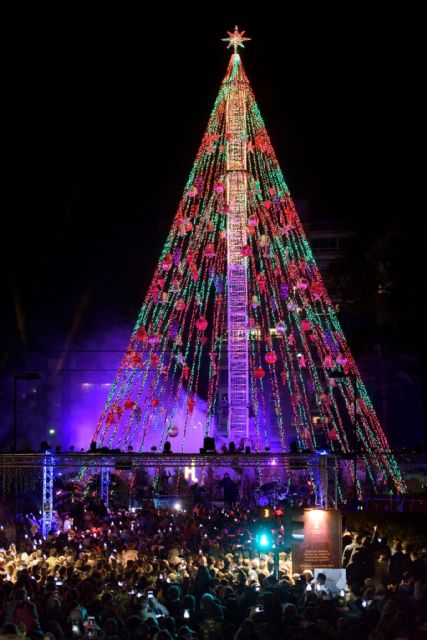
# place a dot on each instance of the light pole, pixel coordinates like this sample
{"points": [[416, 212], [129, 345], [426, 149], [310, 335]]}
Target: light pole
{"points": [[19, 376], [353, 376]]}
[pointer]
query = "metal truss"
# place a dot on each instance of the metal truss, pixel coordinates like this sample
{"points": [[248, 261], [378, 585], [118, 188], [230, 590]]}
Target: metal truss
{"points": [[104, 485], [48, 463], [128, 461], [237, 268]]}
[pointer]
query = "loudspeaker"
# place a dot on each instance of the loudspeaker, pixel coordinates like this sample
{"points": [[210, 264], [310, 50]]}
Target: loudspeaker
{"points": [[167, 447], [247, 449], [294, 447], [209, 444]]}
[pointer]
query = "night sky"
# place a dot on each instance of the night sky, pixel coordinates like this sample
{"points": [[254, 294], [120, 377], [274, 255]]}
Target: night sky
{"points": [[102, 117]]}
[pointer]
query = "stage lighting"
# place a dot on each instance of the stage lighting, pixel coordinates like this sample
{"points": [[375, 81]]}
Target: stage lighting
{"points": [[247, 449], [267, 447], [231, 447], [167, 447]]}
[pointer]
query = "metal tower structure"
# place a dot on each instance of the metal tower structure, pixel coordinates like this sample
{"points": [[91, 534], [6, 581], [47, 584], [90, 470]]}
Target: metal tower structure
{"points": [[237, 270], [48, 466]]}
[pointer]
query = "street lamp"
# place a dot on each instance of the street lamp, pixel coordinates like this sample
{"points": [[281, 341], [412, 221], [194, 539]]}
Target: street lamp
{"points": [[353, 376], [31, 375]]}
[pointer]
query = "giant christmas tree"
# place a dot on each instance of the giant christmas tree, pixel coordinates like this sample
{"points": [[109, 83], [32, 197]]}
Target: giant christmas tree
{"points": [[237, 337]]}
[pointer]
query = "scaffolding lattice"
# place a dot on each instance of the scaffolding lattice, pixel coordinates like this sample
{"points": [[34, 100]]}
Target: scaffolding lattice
{"points": [[237, 317], [47, 500]]}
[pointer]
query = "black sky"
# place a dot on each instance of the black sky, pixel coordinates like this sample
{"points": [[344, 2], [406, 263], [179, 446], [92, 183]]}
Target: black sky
{"points": [[102, 117]]}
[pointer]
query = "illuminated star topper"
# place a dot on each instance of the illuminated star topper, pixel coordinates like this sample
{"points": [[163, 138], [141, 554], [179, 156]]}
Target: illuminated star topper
{"points": [[235, 39]]}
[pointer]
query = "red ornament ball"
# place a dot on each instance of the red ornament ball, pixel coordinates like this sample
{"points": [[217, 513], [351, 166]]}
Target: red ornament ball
{"points": [[167, 262], [270, 357], [201, 324], [306, 325], [259, 373], [180, 305]]}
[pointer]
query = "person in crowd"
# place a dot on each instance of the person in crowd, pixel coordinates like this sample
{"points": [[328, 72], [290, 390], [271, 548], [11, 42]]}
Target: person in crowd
{"points": [[349, 548], [398, 563], [361, 563], [230, 489], [321, 589]]}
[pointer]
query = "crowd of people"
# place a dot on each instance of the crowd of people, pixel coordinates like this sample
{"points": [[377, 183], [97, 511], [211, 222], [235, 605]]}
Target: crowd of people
{"points": [[170, 573]]}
